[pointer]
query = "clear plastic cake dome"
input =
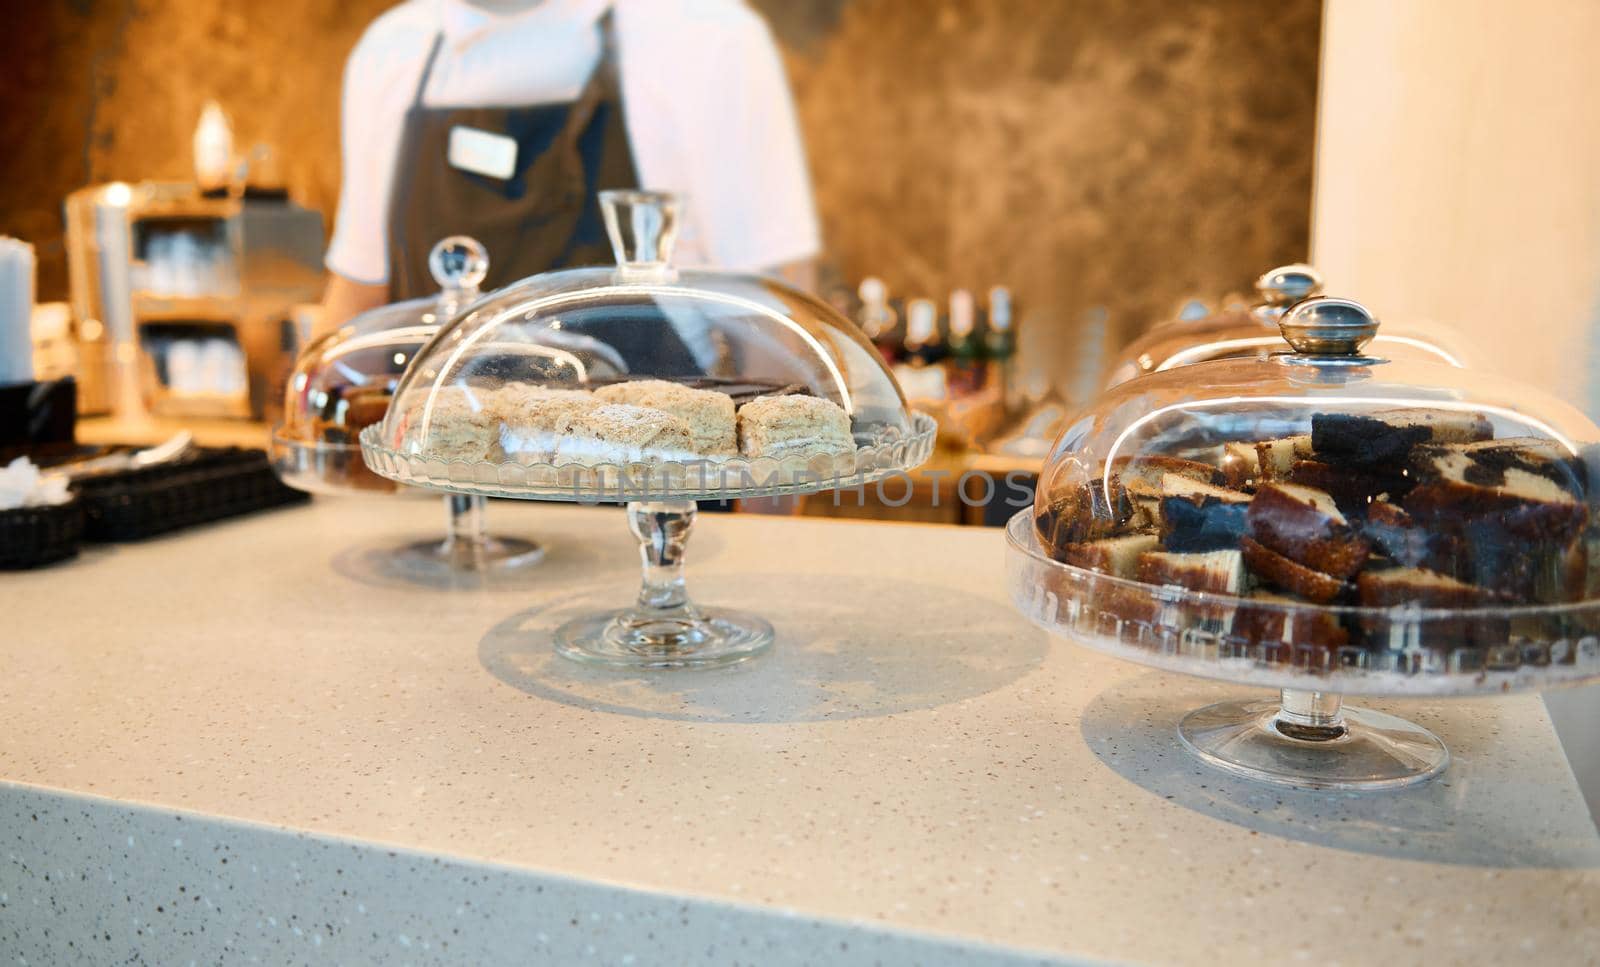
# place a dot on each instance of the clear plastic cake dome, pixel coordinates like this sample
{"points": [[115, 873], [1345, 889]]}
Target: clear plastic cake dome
{"points": [[702, 381], [1239, 330], [343, 381], [1323, 519]]}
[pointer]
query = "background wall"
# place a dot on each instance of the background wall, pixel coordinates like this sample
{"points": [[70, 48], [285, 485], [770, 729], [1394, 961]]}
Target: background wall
{"points": [[1088, 153], [1457, 181]]}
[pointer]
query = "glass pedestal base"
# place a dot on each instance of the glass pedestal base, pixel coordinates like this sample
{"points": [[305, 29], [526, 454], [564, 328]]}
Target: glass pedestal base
{"points": [[487, 556], [1292, 744], [677, 638]]}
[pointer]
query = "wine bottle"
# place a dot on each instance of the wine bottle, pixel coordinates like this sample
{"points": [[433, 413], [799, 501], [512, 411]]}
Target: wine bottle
{"points": [[964, 361], [878, 318], [1000, 343], [919, 372]]}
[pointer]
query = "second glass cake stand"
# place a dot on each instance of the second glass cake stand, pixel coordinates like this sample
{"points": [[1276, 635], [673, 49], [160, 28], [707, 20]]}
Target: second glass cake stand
{"points": [[1322, 522], [653, 387], [344, 381]]}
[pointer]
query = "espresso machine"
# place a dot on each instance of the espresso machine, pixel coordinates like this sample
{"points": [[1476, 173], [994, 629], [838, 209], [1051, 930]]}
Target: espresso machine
{"points": [[183, 299]]}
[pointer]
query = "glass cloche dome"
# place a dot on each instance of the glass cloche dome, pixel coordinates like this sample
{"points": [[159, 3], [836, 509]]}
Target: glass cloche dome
{"points": [[654, 386], [1322, 520], [641, 374], [1239, 330], [344, 381]]}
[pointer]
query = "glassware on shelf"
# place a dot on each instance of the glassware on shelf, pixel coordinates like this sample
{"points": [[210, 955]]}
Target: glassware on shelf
{"points": [[344, 381], [1322, 521], [651, 386], [1250, 331]]}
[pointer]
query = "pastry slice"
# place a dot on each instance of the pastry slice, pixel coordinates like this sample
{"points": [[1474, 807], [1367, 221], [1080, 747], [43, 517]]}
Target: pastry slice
{"points": [[458, 426], [1304, 525], [617, 433], [1386, 438], [1151, 471], [1270, 619], [1525, 506], [1352, 488], [709, 413], [1292, 576], [1081, 514], [777, 426], [1275, 458], [1217, 571], [1400, 538], [1535, 455], [1420, 587], [534, 426], [1241, 464], [1117, 556]]}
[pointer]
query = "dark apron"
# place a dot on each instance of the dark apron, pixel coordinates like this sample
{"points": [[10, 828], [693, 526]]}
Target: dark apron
{"points": [[545, 216]]}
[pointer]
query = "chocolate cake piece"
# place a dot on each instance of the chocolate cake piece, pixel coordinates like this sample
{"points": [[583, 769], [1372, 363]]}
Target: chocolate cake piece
{"points": [[1241, 465], [1280, 572], [1456, 490], [1081, 514], [1536, 455], [1268, 619], [1150, 471], [1385, 439], [1217, 571], [1275, 458], [1201, 517], [1404, 593], [1304, 525], [1389, 587], [1352, 488], [1117, 556], [1403, 540]]}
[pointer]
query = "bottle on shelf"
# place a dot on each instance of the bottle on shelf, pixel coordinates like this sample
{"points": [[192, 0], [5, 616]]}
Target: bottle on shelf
{"points": [[1000, 345], [919, 372], [965, 354], [878, 318]]}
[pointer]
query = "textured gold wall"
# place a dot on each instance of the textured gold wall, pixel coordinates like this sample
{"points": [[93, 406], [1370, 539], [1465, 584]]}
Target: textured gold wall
{"points": [[1089, 152]]}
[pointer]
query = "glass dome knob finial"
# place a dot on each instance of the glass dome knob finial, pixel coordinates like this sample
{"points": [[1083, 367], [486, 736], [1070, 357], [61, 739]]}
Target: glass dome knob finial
{"points": [[643, 226], [1287, 284], [458, 263], [1326, 326]]}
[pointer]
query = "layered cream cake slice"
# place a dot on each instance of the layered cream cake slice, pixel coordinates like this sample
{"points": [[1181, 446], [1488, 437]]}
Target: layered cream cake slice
{"points": [[709, 413], [616, 433], [777, 426]]}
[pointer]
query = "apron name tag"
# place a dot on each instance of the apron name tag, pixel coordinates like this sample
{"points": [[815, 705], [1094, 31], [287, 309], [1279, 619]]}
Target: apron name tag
{"points": [[482, 152]]}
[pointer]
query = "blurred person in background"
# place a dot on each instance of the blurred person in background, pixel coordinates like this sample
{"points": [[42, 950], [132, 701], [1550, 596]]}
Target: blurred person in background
{"points": [[502, 119]]}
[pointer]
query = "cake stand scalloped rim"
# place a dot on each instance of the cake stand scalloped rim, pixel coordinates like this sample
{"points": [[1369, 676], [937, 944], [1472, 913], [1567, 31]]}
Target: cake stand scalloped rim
{"points": [[1030, 600], [656, 480]]}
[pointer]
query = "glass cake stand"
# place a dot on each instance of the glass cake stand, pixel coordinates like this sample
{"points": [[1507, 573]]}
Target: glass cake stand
{"points": [[1308, 737], [1326, 522], [617, 384], [315, 449], [664, 628]]}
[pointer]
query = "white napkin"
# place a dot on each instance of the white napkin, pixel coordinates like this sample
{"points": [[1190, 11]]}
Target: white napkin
{"points": [[22, 485]]}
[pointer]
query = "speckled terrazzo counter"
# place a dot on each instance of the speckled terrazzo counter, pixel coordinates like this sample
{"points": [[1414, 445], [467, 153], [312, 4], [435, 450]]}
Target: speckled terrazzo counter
{"points": [[250, 744]]}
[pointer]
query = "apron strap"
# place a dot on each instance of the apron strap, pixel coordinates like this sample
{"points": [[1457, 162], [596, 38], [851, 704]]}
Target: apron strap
{"points": [[603, 83], [427, 68]]}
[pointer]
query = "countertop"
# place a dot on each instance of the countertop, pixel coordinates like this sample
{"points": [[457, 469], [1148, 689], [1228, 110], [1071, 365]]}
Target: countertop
{"points": [[251, 742]]}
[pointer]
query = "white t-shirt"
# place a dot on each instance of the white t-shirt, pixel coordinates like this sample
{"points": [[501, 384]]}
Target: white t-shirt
{"points": [[707, 107]]}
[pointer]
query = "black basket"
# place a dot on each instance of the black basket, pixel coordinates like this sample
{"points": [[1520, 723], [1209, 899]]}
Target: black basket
{"points": [[36, 536], [213, 485]]}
